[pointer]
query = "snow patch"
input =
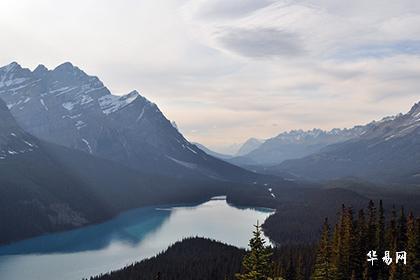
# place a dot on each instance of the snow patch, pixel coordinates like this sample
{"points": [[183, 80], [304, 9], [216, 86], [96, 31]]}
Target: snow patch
{"points": [[112, 103], [184, 163], [86, 99], [43, 104], [88, 145], [271, 192], [29, 144], [80, 124], [68, 105], [191, 150], [141, 115]]}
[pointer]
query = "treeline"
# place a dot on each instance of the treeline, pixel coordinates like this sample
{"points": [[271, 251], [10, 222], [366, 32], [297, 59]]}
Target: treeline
{"points": [[356, 246]]}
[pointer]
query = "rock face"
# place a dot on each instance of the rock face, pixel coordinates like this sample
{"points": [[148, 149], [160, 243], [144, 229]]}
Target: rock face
{"points": [[387, 151], [70, 108]]}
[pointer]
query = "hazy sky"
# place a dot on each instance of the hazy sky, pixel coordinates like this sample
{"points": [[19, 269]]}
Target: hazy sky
{"points": [[226, 70]]}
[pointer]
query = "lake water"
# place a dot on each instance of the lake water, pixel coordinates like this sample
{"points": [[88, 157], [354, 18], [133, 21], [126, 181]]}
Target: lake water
{"points": [[130, 237]]}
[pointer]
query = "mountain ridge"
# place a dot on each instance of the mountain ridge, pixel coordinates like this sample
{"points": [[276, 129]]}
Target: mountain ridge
{"points": [[389, 151], [298, 143]]}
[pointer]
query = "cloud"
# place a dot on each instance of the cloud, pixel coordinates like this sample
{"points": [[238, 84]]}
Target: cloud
{"points": [[228, 70], [222, 9], [261, 42], [380, 50]]}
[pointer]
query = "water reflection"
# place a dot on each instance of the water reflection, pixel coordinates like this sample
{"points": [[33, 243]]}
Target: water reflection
{"points": [[130, 228], [128, 238]]}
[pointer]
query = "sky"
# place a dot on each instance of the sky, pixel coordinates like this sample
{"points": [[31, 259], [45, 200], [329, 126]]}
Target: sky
{"points": [[226, 71]]}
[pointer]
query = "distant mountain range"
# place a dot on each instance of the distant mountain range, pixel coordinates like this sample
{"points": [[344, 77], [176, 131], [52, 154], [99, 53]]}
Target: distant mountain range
{"points": [[67, 107], [387, 151], [290, 145]]}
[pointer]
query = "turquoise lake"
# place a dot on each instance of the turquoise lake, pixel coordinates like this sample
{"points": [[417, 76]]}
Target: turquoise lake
{"points": [[129, 237]]}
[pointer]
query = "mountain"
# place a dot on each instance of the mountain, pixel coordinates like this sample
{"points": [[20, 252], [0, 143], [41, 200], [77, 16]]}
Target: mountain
{"points": [[291, 145], [45, 187], [387, 151], [67, 107], [250, 145], [212, 153]]}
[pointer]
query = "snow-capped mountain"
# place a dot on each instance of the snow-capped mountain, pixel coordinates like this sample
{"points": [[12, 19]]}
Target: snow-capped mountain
{"points": [[295, 144], [70, 108], [386, 151]]}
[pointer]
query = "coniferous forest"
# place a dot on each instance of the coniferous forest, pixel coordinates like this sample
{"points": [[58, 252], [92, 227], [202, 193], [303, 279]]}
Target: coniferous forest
{"points": [[363, 244]]}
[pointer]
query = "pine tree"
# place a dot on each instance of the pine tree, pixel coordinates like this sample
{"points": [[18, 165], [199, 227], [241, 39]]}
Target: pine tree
{"points": [[346, 264], [372, 271], [402, 231], [335, 250], [257, 263], [411, 248], [322, 269], [401, 242], [392, 240], [416, 264], [360, 246], [291, 271], [300, 272], [353, 275], [380, 238], [340, 260]]}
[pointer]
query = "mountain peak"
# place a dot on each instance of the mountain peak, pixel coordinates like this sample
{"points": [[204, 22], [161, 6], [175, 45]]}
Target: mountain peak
{"points": [[40, 70], [415, 108], [64, 66], [11, 67], [41, 67], [68, 68], [250, 145], [133, 93]]}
